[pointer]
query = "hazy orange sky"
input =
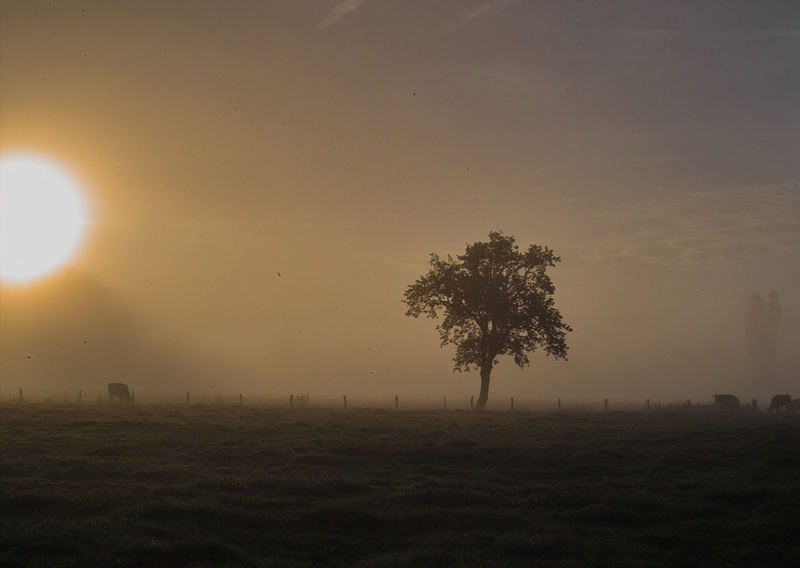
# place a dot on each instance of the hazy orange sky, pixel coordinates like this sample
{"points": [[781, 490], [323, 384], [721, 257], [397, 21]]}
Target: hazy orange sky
{"points": [[654, 145]]}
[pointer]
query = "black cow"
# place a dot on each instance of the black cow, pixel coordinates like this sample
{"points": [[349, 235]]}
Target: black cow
{"points": [[780, 402], [120, 391], [726, 402]]}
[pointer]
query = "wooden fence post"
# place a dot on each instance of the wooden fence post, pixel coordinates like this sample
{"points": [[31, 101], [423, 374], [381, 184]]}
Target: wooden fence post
{"points": [[80, 396], [559, 405], [444, 398], [187, 398], [344, 401], [20, 394], [396, 402], [241, 401], [291, 401], [648, 404], [472, 402], [605, 405], [512, 403]]}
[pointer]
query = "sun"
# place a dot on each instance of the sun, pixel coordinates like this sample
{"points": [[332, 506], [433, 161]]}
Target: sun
{"points": [[43, 217]]}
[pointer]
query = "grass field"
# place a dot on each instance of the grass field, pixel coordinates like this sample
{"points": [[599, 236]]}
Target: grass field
{"points": [[226, 486]]}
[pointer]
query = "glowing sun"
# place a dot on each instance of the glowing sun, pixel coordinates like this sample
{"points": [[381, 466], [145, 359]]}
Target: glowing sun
{"points": [[43, 217]]}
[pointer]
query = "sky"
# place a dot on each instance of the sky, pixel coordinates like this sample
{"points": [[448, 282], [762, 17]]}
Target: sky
{"points": [[266, 178]]}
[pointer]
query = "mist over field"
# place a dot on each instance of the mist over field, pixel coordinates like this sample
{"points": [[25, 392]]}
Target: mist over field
{"points": [[266, 180], [689, 346]]}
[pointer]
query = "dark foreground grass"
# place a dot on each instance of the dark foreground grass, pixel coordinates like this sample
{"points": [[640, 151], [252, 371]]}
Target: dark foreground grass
{"points": [[137, 486]]}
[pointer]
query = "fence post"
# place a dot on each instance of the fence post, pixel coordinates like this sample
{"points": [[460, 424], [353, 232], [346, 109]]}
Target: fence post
{"points": [[648, 404], [344, 401], [396, 403], [512, 403], [241, 401], [187, 398], [291, 401], [20, 394], [472, 402], [559, 405], [80, 396], [754, 404], [605, 405], [444, 398]]}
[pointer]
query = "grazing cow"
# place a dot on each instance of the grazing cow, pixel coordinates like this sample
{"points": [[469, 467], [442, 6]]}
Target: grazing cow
{"points": [[726, 402], [780, 402], [120, 391]]}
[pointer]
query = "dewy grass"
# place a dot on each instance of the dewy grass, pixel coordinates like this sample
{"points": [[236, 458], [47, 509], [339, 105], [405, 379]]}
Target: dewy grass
{"points": [[265, 487]]}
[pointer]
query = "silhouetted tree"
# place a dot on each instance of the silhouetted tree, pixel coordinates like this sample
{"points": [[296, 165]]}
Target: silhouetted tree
{"points": [[763, 322], [495, 300]]}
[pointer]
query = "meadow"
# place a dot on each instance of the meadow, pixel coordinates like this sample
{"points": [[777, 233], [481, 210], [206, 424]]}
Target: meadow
{"points": [[94, 485]]}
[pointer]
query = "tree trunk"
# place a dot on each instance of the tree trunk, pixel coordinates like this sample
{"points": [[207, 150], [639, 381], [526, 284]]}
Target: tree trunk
{"points": [[486, 370]]}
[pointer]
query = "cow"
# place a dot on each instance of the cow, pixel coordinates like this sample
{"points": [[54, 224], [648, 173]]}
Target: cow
{"points": [[120, 391], [780, 402], [726, 402]]}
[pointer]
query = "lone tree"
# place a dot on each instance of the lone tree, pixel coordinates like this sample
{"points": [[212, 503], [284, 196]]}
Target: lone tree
{"points": [[495, 300]]}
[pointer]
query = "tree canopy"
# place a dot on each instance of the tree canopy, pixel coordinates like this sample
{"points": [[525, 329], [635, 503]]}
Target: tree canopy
{"points": [[493, 300]]}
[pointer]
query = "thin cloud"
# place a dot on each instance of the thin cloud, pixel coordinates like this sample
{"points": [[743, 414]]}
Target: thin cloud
{"points": [[640, 43], [644, 34], [339, 11], [483, 9], [711, 228]]}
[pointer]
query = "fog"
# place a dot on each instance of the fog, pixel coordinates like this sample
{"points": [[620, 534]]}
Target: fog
{"points": [[267, 178]]}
